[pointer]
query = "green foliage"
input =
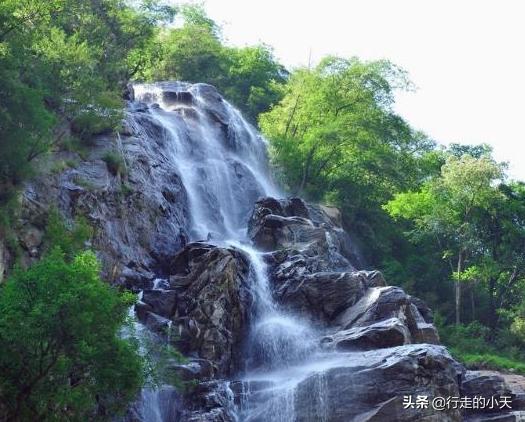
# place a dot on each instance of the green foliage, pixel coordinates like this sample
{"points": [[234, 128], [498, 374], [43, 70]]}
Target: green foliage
{"points": [[115, 162], [106, 116], [250, 77], [74, 144], [472, 345], [71, 240], [337, 139], [61, 165], [64, 60], [125, 190], [61, 353], [443, 222], [445, 208]]}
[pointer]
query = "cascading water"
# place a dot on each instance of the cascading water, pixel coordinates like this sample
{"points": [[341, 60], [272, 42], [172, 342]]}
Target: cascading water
{"points": [[221, 159], [222, 163]]}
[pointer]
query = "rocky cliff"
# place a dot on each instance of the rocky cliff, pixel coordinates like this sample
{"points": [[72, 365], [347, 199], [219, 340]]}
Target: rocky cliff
{"points": [[267, 296]]}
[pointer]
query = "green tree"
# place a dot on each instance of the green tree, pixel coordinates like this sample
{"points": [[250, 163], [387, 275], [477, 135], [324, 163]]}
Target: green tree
{"points": [[336, 138], [501, 229], [250, 77], [61, 62], [61, 353], [445, 208]]}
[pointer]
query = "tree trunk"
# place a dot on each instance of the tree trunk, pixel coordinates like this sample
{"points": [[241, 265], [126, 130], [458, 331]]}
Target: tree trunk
{"points": [[306, 169], [458, 287], [472, 302]]}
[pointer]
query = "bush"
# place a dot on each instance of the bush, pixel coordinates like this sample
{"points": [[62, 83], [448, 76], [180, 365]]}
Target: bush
{"points": [[115, 163], [470, 345], [106, 116], [69, 239], [73, 144], [490, 361], [61, 353]]}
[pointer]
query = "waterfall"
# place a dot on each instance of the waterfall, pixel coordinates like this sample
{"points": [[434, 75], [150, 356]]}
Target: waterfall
{"points": [[222, 162], [220, 158]]}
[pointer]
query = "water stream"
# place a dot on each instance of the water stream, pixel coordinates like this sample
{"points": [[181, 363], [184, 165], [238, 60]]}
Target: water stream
{"points": [[223, 164]]}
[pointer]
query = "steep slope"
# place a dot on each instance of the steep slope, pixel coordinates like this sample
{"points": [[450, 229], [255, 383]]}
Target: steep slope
{"points": [[266, 295]]}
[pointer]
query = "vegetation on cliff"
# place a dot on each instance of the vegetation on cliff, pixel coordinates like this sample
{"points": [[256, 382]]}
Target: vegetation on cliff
{"points": [[445, 223]]}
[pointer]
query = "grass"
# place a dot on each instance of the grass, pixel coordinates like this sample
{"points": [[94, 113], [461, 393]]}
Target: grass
{"points": [[86, 184], [115, 163], [61, 165], [73, 144], [469, 345], [488, 361]]}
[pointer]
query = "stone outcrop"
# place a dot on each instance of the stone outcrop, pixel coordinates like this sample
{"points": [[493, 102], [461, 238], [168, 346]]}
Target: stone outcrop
{"points": [[385, 333], [363, 386], [323, 295], [493, 387], [306, 245], [372, 386], [205, 305], [139, 215]]}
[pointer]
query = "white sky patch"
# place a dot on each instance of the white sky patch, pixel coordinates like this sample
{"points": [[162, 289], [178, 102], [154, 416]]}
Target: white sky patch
{"points": [[466, 57]]}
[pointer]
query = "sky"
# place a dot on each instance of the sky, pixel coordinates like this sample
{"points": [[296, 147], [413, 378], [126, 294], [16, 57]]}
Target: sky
{"points": [[466, 57]]}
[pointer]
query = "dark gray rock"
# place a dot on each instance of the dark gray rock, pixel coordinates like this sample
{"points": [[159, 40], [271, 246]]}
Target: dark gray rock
{"points": [[373, 389], [386, 333], [368, 386], [135, 279], [31, 238], [163, 302], [210, 401], [491, 385], [382, 303], [212, 305], [195, 369], [165, 404], [322, 295], [291, 224], [140, 218], [484, 383], [155, 322], [518, 416]]}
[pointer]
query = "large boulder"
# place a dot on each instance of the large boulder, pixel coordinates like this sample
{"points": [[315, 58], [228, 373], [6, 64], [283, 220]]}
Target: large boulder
{"points": [[322, 295], [210, 401], [386, 333], [363, 386], [383, 303], [139, 213], [208, 301], [163, 404], [493, 396], [297, 231]]}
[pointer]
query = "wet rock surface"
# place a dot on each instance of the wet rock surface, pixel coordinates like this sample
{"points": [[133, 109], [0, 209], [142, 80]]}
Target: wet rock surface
{"points": [[205, 304], [139, 215], [377, 382]]}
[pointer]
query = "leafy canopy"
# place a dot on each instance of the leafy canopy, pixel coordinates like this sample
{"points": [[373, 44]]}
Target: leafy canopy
{"points": [[61, 353], [336, 138]]}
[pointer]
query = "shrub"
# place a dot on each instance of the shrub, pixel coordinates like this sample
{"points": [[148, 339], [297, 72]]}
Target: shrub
{"points": [[115, 163], [105, 116], [69, 239], [61, 352]]}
